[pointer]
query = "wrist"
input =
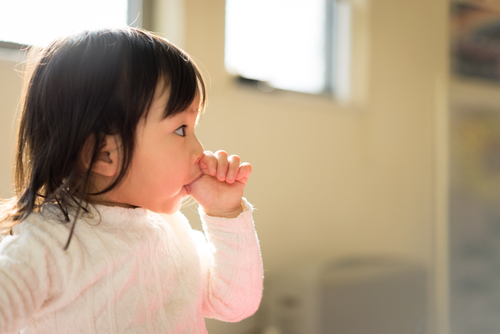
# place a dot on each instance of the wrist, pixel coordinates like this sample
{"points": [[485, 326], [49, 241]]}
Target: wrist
{"points": [[232, 213]]}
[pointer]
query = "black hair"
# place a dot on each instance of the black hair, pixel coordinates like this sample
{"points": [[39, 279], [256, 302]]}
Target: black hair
{"points": [[87, 85]]}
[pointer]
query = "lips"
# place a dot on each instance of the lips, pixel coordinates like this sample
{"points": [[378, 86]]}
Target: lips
{"points": [[188, 186]]}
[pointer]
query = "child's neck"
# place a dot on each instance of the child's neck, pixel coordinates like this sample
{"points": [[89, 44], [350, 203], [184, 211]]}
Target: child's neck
{"points": [[110, 203]]}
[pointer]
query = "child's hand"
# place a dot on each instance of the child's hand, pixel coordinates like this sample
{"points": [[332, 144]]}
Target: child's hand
{"points": [[220, 189]]}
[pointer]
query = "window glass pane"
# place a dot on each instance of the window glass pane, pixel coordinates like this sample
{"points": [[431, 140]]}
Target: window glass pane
{"points": [[278, 41], [37, 22]]}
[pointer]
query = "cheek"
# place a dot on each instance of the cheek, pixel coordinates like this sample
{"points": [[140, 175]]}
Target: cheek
{"points": [[162, 172], [160, 165], [144, 171]]}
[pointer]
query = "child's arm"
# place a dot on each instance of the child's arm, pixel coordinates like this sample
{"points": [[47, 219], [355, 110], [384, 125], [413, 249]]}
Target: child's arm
{"points": [[232, 266]]}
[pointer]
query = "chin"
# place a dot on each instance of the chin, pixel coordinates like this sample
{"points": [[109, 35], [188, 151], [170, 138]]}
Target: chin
{"points": [[172, 208], [168, 205]]}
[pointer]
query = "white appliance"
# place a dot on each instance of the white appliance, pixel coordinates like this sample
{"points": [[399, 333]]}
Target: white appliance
{"points": [[348, 296]]}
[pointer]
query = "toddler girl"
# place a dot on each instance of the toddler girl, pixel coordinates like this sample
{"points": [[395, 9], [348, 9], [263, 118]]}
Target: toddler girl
{"points": [[106, 153]]}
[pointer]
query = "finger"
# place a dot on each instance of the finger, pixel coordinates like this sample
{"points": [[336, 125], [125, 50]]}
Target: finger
{"points": [[208, 163], [202, 163], [244, 172], [222, 165], [233, 168]]}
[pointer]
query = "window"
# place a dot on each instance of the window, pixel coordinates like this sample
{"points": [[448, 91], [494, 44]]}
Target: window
{"points": [[37, 22], [298, 45]]}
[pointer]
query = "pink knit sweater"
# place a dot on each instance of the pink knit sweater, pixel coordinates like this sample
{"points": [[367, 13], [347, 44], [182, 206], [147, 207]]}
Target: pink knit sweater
{"points": [[128, 271]]}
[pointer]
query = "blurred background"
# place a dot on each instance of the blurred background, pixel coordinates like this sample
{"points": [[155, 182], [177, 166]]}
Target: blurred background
{"points": [[373, 128]]}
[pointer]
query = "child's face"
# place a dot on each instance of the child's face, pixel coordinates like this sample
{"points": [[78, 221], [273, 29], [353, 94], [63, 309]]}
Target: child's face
{"points": [[165, 159]]}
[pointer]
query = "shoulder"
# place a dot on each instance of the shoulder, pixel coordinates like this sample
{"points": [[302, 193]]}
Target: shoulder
{"points": [[35, 255], [41, 223], [39, 241], [38, 231]]}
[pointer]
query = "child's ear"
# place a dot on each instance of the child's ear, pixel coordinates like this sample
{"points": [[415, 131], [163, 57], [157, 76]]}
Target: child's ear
{"points": [[107, 158]]}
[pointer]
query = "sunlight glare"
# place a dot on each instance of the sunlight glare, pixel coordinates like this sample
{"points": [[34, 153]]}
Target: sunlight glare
{"points": [[37, 22], [281, 42]]}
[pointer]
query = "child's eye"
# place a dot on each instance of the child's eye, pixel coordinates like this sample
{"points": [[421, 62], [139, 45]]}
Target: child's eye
{"points": [[181, 131]]}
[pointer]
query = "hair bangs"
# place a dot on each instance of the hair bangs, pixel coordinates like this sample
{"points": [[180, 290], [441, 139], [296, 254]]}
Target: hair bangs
{"points": [[182, 77]]}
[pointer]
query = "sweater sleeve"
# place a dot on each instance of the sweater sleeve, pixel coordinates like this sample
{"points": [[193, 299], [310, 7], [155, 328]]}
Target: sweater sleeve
{"points": [[25, 262], [231, 267]]}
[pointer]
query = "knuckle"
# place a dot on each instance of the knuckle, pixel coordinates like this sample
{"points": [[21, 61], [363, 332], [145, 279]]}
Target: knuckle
{"points": [[221, 153]]}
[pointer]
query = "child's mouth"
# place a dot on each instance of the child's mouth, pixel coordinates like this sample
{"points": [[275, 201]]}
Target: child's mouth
{"points": [[188, 186]]}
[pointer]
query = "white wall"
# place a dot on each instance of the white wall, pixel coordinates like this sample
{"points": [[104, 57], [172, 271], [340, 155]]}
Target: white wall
{"points": [[333, 180], [10, 93], [328, 180]]}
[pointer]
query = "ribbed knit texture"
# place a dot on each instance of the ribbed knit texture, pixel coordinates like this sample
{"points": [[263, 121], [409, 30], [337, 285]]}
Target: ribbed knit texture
{"points": [[128, 271]]}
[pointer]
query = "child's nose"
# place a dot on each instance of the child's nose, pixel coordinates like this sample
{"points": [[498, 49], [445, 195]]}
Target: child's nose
{"points": [[198, 151]]}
